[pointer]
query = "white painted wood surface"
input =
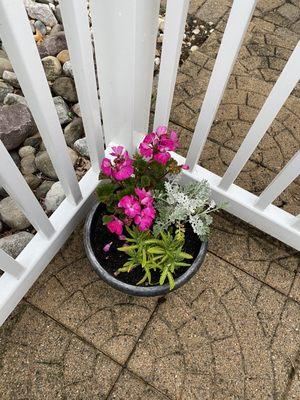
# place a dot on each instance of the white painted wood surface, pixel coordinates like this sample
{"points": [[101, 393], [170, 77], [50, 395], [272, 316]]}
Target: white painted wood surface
{"points": [[9, 265], [114, 28], [279, 94], [78, 35], [173, 34], [20, 46], [147, 13], [286, 176], [235, 31], [13, 182]]}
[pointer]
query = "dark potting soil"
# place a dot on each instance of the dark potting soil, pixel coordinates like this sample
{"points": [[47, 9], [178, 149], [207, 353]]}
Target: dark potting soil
{"points": [[114, 259]]}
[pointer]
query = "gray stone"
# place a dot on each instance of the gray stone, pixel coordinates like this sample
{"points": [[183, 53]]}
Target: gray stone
{"points": [[65, 87], [5, 65], [41, 12], [11, 214], [52, 45], [62, 109], [54, 197], [44, 163], [57, 13], [57, 28], [11, 78], [5, 89], [12, 98], [26, 151], [43, 189], [81, 147], [76, 110], [14, 244], [67, 68], [33, 181], [28, 165], [73, 131], [16, 158], [33, 141], [52, 67], [40, 27], [16, 124]]}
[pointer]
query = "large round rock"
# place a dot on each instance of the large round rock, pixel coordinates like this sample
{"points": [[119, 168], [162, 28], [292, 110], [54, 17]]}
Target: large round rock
{"points": [[11, 214], [16, 124], [44, 163]]}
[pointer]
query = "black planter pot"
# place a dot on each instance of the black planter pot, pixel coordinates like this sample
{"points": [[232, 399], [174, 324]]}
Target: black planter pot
{"points": [[142, 291]]}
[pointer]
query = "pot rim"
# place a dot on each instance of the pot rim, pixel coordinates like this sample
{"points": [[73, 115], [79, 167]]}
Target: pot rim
{"points": [[143, 291]]}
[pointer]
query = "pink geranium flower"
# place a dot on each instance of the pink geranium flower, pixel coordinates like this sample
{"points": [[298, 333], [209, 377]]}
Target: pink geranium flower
{"points": [[115, 226], [131, 206], [145, 197], [161, 130], [162, 158], [145, 219], [120, 166]]}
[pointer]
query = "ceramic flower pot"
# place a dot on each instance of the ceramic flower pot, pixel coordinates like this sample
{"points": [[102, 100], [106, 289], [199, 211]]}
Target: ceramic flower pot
{"points": [[107, 275]]}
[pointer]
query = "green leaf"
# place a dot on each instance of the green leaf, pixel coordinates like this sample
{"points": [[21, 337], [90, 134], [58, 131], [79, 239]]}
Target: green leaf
{"points": [[163, 276], [128, 248], [145, 181], [171, 280], [185, 255], [106, 219], [156, 250]]}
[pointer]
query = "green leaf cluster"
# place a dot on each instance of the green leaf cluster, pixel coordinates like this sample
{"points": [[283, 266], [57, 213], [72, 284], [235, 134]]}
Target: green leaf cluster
{"points": [[162, 253]]}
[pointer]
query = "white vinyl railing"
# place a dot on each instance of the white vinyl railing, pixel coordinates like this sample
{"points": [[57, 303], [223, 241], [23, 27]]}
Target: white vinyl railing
{"points": [[124, 70]]}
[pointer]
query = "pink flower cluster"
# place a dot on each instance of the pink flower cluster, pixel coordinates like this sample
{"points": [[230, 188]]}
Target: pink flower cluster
{"points": [[120, 167], [136, 208], [157, 145]]}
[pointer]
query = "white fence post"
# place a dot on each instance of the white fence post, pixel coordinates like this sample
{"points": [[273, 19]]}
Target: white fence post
{"points": [[233, 37], [279, 94], [175, 20], [14, 183], [76, 26], [19, 43], [114, 27]]}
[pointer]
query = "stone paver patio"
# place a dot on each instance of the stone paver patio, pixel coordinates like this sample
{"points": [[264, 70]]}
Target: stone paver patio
{"points": [[234, 331]]}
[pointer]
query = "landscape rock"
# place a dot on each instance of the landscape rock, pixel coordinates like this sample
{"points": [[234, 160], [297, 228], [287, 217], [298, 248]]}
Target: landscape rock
{"points": [[43, 189], [52, 45], [40, 27], [28, 165], [67, 68], [5, 89], [63, 56], [44, 163], [52, 67], [16, 158], [54, 197], [57, 13], [57, 28], [81, 147], [76, 110], [33, 181], [33, 141], [41, 12], [62, 109], [26, 151], [73, 131], [65, 87], [11, 78], [14, 244], [12, 98], [5, 65], [16, 124], [11, 214]]}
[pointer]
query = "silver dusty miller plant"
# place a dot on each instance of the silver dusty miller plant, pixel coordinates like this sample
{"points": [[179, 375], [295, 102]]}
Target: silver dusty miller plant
{"points": [[179, 204]]}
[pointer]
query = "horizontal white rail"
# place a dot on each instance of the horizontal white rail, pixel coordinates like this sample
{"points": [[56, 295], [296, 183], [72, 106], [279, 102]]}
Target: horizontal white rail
{"points": [[286, 176], [9, 265], [20, 46], [173, 34], [76, 27], [114, 27], [233, 37], [241, 203], [147, 13], [14, 183], [279, 94]]}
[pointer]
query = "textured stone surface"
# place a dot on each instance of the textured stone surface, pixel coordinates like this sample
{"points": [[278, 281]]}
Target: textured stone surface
{"points": [[62, 109], [54, 197], [52, 67], [14, 244], [11, 214], [65, 87], [16, 124], [44, 163]]}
